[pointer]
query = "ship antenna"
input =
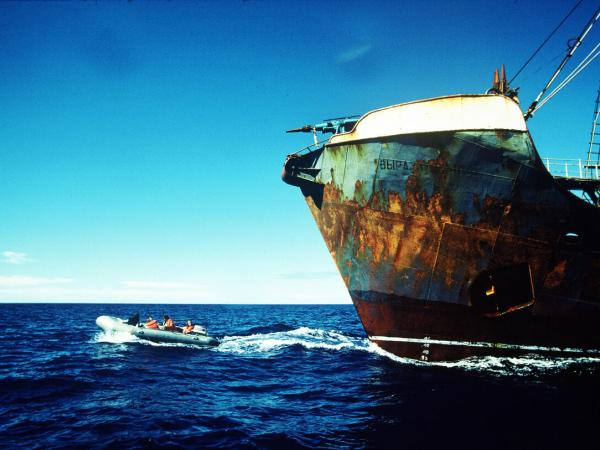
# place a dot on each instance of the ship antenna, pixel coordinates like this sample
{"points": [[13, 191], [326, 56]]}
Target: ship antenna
{"points": [[534, 106]]}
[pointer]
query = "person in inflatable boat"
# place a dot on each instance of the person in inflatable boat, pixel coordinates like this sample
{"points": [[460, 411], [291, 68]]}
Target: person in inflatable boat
{"points": [[151, 323], [168, 323], [189, 327]]}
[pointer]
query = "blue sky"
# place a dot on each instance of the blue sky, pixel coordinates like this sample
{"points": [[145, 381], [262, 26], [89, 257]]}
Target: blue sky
{"points": [[142, 143]]}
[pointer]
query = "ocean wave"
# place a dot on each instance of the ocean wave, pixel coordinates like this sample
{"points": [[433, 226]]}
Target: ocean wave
{"points": [[309, 338], [273, 328], [116, 337], [525, 365], [266, 343], [272, 343], [122, 337]]}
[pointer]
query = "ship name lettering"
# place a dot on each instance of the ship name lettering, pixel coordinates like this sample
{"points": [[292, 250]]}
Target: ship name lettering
{"points": [[395, 164]]}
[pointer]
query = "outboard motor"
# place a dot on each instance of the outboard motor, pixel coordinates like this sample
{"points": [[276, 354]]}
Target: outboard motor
{"points": [[134, 320]]}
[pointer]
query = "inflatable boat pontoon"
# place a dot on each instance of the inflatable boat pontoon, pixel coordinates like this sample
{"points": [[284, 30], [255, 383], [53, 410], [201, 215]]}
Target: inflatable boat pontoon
{"points": [[113, 324]]}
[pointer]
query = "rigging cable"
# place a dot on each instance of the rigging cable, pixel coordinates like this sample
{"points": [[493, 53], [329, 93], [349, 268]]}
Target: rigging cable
{"points": [[544, 43], [582, 65], [575, 46]]}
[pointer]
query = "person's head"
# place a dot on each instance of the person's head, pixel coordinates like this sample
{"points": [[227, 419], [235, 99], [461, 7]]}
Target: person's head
{"points": [[166, 317], [189, 322], [149, 318]]}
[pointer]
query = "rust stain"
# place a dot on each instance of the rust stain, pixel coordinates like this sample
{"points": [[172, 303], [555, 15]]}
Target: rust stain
{"points": [[395, 203], [411, 231], [447, 208], [556, 275]]}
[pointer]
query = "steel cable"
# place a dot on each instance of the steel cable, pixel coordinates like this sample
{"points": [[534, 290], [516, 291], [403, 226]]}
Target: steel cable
{"points": [[544, 43], [582, 65]]}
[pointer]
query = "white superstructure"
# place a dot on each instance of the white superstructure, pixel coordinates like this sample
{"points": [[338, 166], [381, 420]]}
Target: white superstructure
{"points": [[453, 113]]}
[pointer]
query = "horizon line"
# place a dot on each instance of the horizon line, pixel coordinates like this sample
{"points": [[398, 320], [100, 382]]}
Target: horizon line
{"points": [[77, 302]]}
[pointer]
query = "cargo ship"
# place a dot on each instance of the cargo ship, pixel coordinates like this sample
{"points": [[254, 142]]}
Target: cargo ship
{"points": [[450, 233]]}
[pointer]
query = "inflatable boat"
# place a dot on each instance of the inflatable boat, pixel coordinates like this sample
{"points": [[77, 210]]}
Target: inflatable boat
{"points": [[114, 324]]}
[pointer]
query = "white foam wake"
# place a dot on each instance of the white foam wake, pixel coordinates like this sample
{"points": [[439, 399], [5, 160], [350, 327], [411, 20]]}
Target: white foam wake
{"points": [[269, 343], [123, 337], [266, 345], [522, 365], [115, 337], [526, 365]]}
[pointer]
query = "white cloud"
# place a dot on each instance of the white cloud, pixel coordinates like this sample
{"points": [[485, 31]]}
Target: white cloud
{"points": [[27, 288], [73, 293], [25, 281], [353, 53], [15, 257]]}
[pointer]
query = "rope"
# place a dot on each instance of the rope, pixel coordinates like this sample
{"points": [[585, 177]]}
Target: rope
{"points": [[544, 43]]}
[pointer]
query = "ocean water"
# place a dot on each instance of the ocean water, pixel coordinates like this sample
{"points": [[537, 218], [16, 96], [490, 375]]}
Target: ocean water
{"points": [[284, 377]]}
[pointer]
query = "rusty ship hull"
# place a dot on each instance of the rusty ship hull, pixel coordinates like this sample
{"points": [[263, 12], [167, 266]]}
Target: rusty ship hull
{"points": [[450, 234]]}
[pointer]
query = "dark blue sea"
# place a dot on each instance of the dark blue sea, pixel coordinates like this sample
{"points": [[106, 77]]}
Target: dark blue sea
{"points": [[284, 377]]}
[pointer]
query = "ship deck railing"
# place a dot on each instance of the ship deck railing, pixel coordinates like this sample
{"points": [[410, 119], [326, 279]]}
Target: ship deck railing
{"points": [[572, 168], [311, 147]]}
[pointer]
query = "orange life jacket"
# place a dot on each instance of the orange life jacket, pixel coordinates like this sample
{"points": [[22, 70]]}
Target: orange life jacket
{"points": [[152, 324], [188, 328], [169, 323]]}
